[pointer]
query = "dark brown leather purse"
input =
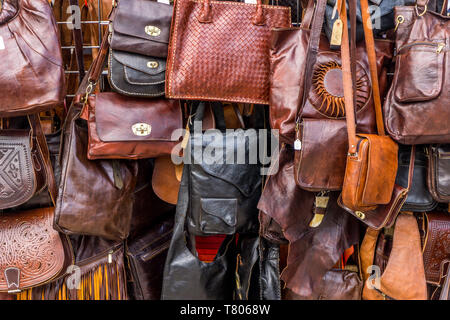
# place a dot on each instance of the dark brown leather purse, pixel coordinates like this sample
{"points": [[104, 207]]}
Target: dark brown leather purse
{"points": [[218, 50], [438, 178], [129, 128], [372, 159], [32, 74], [420, 87], [31, 252], [139, 46], [25, 167]]}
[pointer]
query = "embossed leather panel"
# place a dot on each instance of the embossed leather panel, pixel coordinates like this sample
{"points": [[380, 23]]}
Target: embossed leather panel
{"points": [[219, 50], [17, 177], [31, 251], [437, 246]]}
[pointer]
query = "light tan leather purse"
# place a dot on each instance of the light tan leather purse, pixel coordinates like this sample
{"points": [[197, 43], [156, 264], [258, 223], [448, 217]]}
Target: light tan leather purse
{"points": [[372, 159]]}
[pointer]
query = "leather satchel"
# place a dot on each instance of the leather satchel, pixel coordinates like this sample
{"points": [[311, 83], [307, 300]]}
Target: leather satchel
{"points": [[139, 37], [438, 178], [420, 86], [32, 253], [25, 167], [419, 199], [436, 245], [219, 50], [372, 159], [32, 73], [223, 196], [127, 127], [403, 277]]}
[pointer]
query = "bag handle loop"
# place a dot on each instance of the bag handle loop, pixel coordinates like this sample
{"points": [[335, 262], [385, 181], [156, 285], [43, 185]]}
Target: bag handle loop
{"points": [[205, 15]]}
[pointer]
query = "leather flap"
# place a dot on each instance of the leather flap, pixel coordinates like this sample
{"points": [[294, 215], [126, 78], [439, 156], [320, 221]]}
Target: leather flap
{"points": [[139, 62], [8, 10], [17, 176], [245, 176], [115, 116], [382, 165], [133, 16], [224, 209]]}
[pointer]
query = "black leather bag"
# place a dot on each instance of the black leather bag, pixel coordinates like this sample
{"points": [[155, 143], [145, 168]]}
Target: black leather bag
{"points": [[419, 198], [439, 172], [139, 46], [223, 197]]}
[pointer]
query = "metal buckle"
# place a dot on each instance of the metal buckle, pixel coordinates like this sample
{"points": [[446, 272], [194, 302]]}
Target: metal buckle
{"points": [[423, 12]]}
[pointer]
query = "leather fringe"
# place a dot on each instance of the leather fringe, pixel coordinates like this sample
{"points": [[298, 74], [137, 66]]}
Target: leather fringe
{"points": [[99, 281]]}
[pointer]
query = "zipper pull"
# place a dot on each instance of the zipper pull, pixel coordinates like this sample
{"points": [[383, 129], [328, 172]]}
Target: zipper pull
{"points": [[400, 19], [110, 256], [440, 47]]}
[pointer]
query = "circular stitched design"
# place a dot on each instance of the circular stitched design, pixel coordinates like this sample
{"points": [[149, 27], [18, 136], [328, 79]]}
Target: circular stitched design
{"points": [[327, 94]]}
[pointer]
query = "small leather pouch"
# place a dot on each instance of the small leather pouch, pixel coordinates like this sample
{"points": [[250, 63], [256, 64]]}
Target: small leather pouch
{"points": [[419, 198], [131, 128], [436, 244], [33, 252], [439, 172], [139, 47], [370, 173], [320, 164]]}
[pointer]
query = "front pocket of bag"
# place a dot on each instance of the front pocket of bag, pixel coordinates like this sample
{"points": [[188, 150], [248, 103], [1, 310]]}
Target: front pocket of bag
{"points": [[218, 216], [419, 71]]}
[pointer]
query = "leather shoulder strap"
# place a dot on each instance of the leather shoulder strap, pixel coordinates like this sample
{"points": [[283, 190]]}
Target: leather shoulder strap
{"points": [[78, 40]]}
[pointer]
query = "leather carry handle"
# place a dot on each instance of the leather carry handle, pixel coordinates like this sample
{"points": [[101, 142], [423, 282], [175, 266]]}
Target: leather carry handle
{"points": [[205, 15], [312, 51]]}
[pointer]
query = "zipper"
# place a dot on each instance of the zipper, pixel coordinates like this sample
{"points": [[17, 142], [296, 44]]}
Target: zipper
{"points": [[439, 45], [148, 256]]}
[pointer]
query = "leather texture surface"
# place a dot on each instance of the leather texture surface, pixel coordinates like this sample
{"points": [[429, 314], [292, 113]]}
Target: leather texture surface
{"points": [[404, 276], [437, 244], [131, 26], [419, 198], [420, 87], [438, 179], [84, 182], [31, 252], [218, 50], [146, 255], [270, 271], [111, 120], [33, 80]]}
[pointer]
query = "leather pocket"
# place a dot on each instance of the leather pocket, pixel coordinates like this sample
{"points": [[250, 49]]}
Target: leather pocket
{"points": [[419, 71], [320, 164], [218, 216]]}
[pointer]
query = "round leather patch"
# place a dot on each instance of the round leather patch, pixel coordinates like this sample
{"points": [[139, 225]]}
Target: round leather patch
{"points": [[327, 94]]}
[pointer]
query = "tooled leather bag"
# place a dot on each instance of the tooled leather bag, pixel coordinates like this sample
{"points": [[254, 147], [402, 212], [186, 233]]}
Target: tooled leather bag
{"points": [[127, 127], [25, 167], [372, 161], [403, 277], [31, 73], [420, 87], [436, 247], [291, 57], [139, 37], [223, 196], [438, 178], [32, 253], [207, 44]]}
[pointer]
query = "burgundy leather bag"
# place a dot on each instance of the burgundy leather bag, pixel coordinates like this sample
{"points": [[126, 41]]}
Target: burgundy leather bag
{"points": [[129, 128], [218, 50], [416, 108], [32, 73]]}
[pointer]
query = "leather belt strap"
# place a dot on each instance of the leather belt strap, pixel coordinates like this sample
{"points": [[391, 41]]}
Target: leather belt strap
{"points": [[97, 67], [78, 39]]}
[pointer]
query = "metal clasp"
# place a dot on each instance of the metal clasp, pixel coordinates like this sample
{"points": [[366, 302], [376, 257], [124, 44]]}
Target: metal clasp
{"points": [[152, 31], [141, 129]]}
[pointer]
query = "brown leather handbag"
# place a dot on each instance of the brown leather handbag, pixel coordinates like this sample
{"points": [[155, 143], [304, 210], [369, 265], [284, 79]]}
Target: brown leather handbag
{"points": [[438, 178], [25, 166], [403, 277], [219, 50], [32, 253], [420, 87], [295, 52], [371, 166], [129, 128], [31, 73]]}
